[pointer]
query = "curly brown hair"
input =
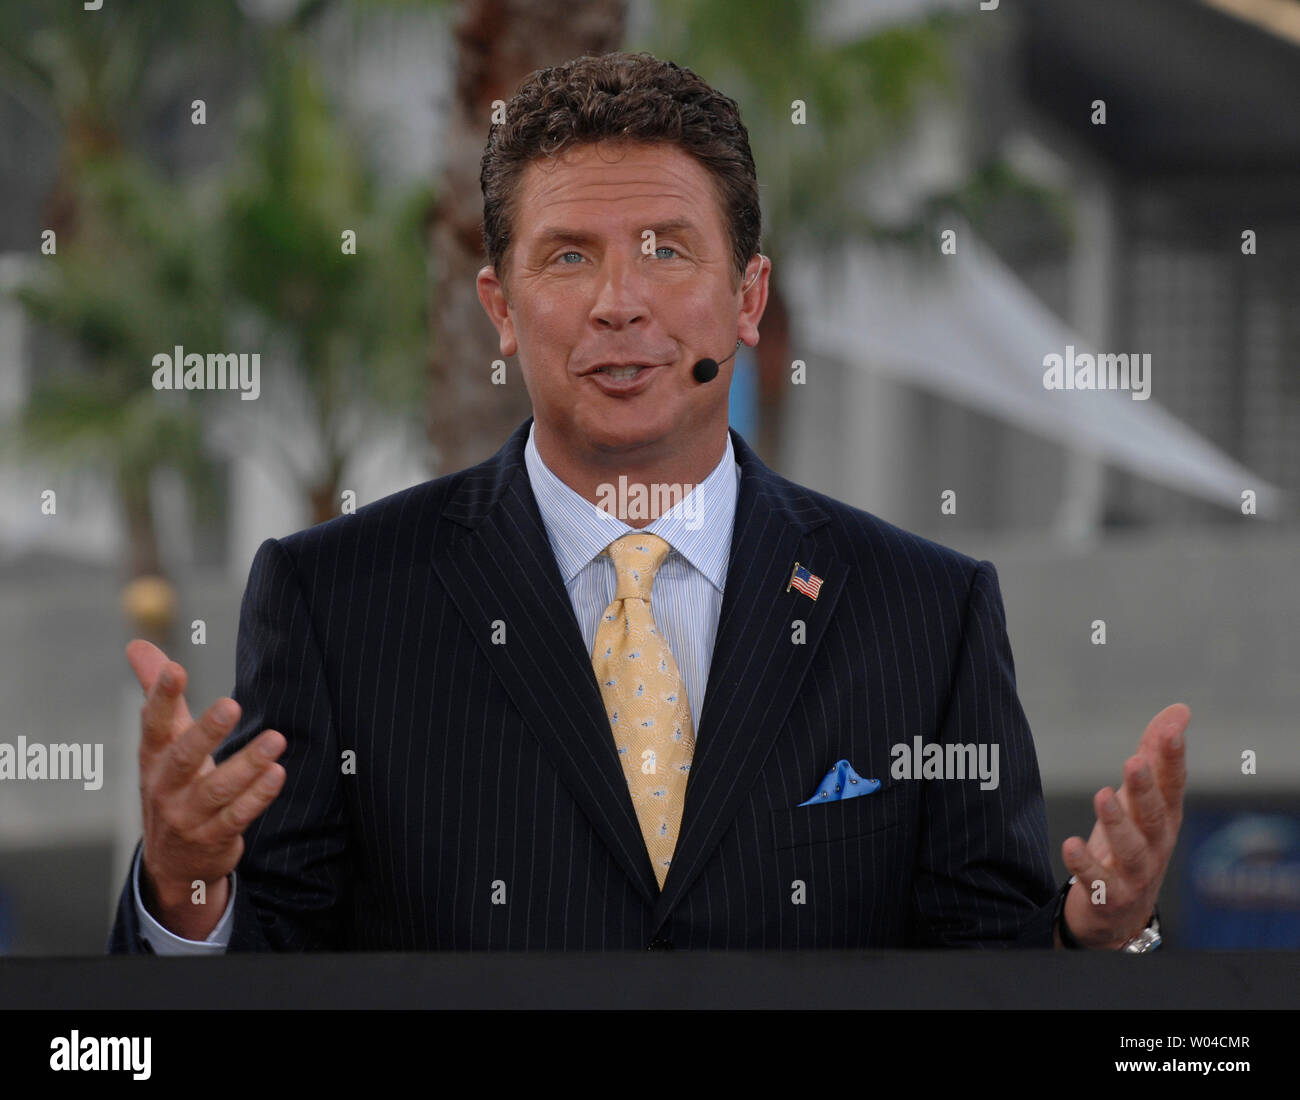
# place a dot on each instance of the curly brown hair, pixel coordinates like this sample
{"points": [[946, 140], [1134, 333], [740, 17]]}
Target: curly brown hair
{"points": [[620, 97]]}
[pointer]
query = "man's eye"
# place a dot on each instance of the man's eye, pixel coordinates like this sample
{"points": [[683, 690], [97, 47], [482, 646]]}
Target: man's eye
{"points": [[570, 253], [666, 248]]}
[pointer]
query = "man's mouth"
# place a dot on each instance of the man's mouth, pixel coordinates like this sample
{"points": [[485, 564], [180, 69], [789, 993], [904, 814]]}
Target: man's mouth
{"points": [[621, 374]]}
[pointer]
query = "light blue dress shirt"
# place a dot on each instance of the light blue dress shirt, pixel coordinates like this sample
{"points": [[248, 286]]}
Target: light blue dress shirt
{"points": [[686, 600], [686, 597]]}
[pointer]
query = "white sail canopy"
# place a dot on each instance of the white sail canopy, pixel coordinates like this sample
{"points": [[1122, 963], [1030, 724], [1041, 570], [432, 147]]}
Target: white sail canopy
{"points": [[965, 327]]}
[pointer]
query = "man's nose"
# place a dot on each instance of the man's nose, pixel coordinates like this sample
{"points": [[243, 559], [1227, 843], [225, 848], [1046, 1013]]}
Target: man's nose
{"points": [[621, 298]]}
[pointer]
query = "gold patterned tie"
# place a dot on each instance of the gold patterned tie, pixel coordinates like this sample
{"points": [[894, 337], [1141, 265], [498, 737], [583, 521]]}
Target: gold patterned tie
{"points": [[645, 697]]}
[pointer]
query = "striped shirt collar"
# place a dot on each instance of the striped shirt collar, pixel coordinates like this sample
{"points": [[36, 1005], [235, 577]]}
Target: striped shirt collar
{"points": [[699, 529]]}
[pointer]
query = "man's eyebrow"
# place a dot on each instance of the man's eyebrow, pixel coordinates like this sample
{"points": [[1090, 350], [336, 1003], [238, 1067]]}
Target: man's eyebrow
{"points": [[672, 225], [557, 234]]}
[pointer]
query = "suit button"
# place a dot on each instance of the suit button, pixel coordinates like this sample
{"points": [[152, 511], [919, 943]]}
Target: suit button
{"points": [[660, 943]]}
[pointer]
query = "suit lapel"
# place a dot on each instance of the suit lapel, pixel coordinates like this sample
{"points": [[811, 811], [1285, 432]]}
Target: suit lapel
{"points": [[757, 669], [503, 568]]}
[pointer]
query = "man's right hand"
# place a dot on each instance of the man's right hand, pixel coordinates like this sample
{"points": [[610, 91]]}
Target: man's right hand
{"points": [[194, 811]]}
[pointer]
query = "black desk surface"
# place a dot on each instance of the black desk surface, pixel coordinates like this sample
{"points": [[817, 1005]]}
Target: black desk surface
{"points": [[680, 979]]}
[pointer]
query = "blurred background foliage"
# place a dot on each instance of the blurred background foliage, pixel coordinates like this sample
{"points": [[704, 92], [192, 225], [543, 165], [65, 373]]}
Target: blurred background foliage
{"points": [[247, 252], [249, 255]]}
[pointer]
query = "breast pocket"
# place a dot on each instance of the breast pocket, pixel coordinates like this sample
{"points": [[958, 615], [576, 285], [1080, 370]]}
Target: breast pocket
{"points": [[848, 817]]}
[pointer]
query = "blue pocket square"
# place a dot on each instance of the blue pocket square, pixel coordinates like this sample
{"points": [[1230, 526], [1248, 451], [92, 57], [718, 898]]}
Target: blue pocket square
{"points": [[842, 782]]}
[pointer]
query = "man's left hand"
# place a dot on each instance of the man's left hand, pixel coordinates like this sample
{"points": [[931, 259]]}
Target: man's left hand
{"points": [[1132, 841]]}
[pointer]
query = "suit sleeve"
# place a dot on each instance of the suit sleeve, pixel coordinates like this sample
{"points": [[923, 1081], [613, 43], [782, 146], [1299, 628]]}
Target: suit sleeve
{"points": [[295, 871], [984, 877]]}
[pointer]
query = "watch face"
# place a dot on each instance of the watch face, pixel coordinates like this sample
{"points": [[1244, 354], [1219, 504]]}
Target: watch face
{"points": [[1146, 940]]}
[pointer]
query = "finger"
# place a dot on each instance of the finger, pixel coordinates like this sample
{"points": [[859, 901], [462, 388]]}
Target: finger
{"points": [[1145, 804], [1127, 844], [1163, 743], [233, 818], [1171, 768], [187, 754], [164, 714], [226, 782], [1098, 844], [1082, 862]]}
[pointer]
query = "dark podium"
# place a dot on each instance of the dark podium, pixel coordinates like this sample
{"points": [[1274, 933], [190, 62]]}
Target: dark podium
{"points": [[987, 979]]}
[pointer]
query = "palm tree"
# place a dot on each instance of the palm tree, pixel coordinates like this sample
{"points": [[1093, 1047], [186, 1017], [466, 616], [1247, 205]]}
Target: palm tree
{"points": [[135, 273], [143, 264], [129, 251], [352, 325], [497, 45], [94, 78]]}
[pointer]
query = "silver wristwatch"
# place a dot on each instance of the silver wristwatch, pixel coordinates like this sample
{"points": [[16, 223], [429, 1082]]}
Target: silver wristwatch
{"points": [[1146, 940]]}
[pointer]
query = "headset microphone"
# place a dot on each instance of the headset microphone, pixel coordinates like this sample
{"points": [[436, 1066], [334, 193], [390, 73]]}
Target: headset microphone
{"points": [[706, 370]]}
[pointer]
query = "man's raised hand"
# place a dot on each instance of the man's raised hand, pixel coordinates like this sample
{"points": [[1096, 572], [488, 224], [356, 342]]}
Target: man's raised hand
{"points": [[1120, 868], [194, 810]]}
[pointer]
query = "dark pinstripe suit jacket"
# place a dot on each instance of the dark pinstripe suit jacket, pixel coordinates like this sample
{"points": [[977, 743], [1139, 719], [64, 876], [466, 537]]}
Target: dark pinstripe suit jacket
{"points": [[488, 808]]}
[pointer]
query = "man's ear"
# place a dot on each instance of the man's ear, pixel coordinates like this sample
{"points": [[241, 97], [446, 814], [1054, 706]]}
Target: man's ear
{"points": [[753, 297], [492, 294]]}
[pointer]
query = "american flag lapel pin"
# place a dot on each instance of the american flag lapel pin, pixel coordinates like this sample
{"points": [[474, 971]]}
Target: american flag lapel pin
{"points": [[807, 583]]}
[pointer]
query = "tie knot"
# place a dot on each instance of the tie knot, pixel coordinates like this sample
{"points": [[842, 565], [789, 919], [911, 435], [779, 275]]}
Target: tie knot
{"points": [[637, 558]]}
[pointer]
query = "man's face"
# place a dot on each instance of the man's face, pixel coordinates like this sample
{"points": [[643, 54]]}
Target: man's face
{"points": [[581, 290]]}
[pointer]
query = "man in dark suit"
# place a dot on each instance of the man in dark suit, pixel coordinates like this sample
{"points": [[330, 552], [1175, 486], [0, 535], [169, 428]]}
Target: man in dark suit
{"points": [[515, 715]]}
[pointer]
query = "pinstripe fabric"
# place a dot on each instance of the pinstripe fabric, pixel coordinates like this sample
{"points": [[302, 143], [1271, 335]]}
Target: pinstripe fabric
{"points": [[488, 808]]}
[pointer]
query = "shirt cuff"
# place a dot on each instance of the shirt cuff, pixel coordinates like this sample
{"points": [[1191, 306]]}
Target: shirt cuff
{"points": [[164, 942]]}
